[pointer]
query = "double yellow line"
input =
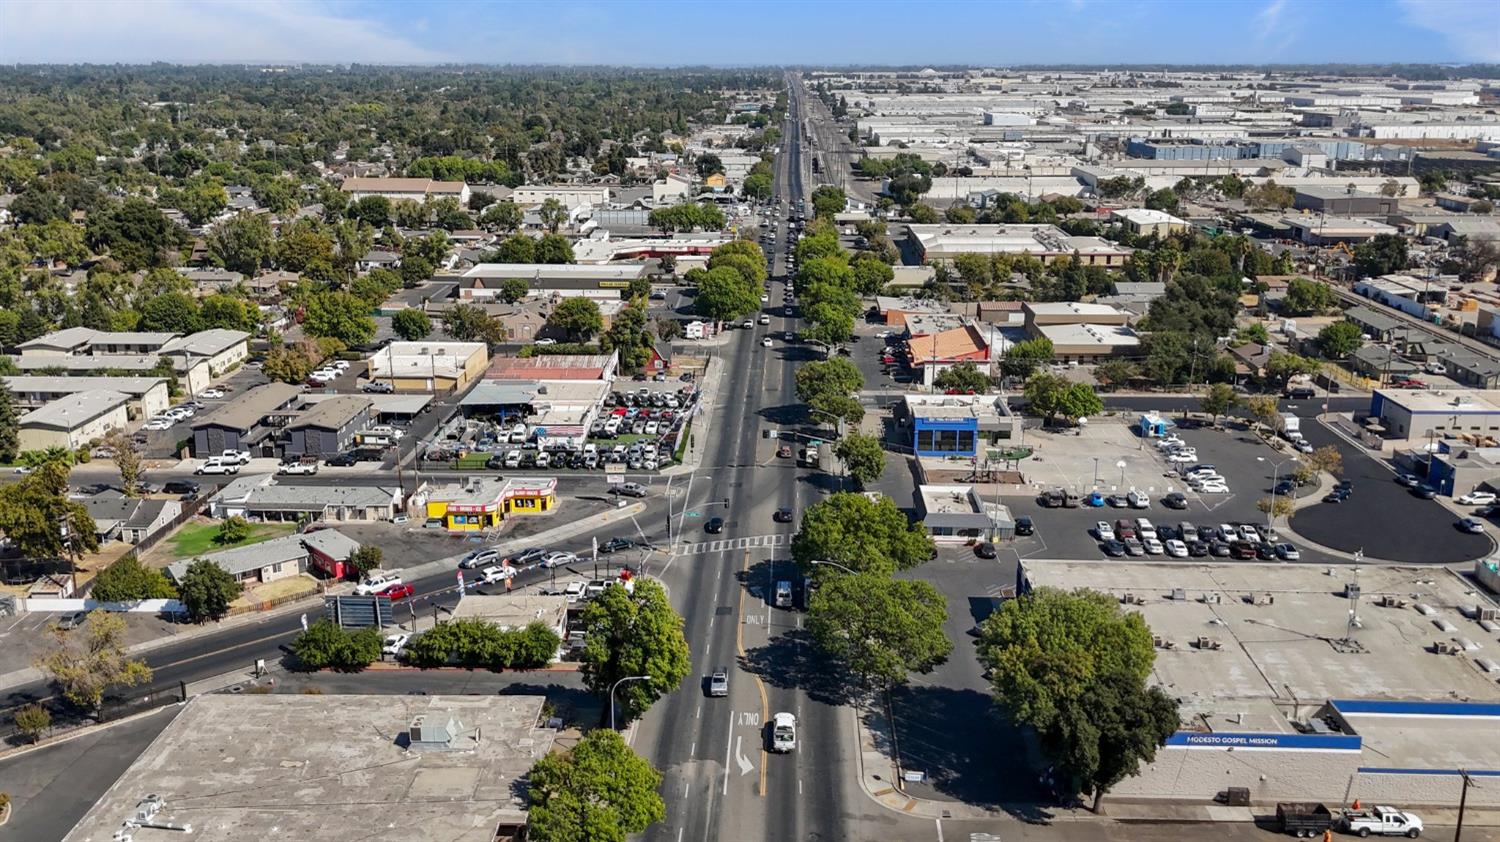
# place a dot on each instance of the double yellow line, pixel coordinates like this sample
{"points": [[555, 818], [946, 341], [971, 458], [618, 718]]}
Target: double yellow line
{"points": [[739, 642]]}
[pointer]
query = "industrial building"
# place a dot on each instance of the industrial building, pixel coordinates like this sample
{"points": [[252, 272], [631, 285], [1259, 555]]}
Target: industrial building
{"points": [[332, 767], [1044, 242], [1419, 416], [1282, 693], [430, 366]]}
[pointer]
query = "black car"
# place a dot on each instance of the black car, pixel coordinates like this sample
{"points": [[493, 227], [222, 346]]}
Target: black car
{"points": [[614, 545], [1219, 549], [1208, 534], [714, 526], [782, 515], [1425, 491], [1336, 496], [181, 486], [1175, 500], [1197, 549], [495, 462], [1284, 488], [1344, 485], [1025, 526], [1114, 549], [984, 549], [1265, 551], [529, 555], [341, 460]]}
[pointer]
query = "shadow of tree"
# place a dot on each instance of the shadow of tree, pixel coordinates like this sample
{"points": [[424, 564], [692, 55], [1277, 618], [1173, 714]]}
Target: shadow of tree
{"points": [[575, 706], [965, 746], [792, 661]]}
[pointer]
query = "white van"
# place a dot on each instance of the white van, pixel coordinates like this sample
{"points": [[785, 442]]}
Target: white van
{"points": [[513, 459], [783, 594], [544, 460], [517, 434]]}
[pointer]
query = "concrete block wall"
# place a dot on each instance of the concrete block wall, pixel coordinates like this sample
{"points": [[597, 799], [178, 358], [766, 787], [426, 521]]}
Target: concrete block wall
{"points": [[1270, 775], [1424, 789]]}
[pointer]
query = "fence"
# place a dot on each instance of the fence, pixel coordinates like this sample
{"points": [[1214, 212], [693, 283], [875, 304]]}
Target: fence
{"points": [[189, 511], [66, 716]]}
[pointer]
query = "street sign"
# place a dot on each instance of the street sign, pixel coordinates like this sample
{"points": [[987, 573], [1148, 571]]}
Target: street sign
{"points": [[614, 479], [358, 611], [693, 514]]}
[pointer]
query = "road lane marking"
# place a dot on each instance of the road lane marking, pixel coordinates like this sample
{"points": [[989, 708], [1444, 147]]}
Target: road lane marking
{"points": [[739, 756], [765, 703], [693, 750], [939, 829], [728, 747]]}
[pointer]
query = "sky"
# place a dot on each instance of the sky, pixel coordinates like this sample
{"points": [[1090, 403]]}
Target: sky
{"points": [[757, 32]]}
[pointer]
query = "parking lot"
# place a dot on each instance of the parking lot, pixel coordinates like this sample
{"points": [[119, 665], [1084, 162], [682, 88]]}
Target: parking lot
{"points": [[162, 444], [1249, 465]]}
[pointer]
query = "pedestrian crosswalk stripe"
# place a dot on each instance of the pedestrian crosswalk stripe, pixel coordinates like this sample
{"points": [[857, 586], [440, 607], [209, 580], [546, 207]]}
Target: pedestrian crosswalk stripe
{"points": [[730, 544]]}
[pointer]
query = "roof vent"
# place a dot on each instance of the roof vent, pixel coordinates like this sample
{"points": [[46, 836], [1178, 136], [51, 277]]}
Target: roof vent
{"points": [[426, 735]]}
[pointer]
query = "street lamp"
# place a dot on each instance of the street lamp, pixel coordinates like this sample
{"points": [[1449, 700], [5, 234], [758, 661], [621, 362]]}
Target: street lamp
{"points": [[836, 564], [612, 695], [1275, 480]]}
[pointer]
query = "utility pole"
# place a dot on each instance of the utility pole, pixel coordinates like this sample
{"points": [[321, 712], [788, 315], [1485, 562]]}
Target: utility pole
{"points": [[1463, 803]]}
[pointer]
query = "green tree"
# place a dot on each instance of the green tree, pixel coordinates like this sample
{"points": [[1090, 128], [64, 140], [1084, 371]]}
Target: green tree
{"points": [[962, 377], [338, 315], [960, 214], [837, 376], [723, 293], [241, 243], [88, 663], [470, 323], [757, 186], [1025, 642], [1164, 199], [863, 456], [170, 312], [514, 289], [599, 790], [1263, 409], [326, 646], [288, 365], [415, 271], [554, 248], [136, 234], [233, 530], [479, 644], [365, 559], [1306, 298], [505, 216], [206, 590], [881, 628], [628, 335], [517, 248], [1079, 401], [32, 720], [1282, 366], [32, 508], [1218, 400], [579, 317], [871, 274], [708, 164], [128, 580], [865, 535], [1104, 736], [10, 442], [828, 202], [375, 211], [1381, 255], [411, 324], [1045, 394], [1116, 372], [1023, 357], [922, 214], [553, 214], [1339, 340], [228, 312], [634, 633]]}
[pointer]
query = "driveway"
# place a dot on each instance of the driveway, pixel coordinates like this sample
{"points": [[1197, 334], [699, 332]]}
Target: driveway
{"points": [[1383, 518]]}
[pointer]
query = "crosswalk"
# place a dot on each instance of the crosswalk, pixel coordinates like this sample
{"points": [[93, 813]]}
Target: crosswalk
{"points": [[729, 544]]}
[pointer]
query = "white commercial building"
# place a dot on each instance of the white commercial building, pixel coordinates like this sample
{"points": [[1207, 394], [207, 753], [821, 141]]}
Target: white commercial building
{"points": [[406, 189]]}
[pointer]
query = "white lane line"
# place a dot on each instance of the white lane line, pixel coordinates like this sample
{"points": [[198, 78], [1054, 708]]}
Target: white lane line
{"points": [[691, 751], [728, 747], [939, 829], [684, 789], [679, 834], [700, 712]]}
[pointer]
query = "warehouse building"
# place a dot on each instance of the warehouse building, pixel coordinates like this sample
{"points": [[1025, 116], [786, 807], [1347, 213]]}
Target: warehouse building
{"points": [[608, 281], [1280, 694], [1419, 416], [325, 768], [433, 367], [1044, 242]]}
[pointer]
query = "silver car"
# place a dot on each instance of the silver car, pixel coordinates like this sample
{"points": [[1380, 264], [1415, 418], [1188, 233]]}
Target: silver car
{"points": [[718, 683]]}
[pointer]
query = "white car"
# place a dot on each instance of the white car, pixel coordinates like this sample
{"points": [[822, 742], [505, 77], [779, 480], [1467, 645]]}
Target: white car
{"points": [[1477, 498], [1169, 441], [340, 365], [1104, 531], [394, 643], [1183, 456], [492, 575], [783, 732], [1213, 488], [211, 393], [376, 582], [158, 424], [766, 342], [574, 591], [545, 342], [765, 299], [1249, 533], [1176, 549], [1153, 546]]}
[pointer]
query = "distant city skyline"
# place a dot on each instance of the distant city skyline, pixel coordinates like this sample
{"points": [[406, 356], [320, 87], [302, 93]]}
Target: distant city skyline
{"points": [[777, 32]]}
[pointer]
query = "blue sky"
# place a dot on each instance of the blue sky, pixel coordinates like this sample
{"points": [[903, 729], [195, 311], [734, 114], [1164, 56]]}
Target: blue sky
{"points": [[744, 33]]}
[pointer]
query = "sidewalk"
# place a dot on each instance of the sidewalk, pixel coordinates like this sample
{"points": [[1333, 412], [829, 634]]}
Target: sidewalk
{"points": [[702, 420], [431, 568]]}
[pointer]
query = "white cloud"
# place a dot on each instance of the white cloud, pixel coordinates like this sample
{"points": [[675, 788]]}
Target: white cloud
{"points": [[1274, 30], [189, 32], [1472, 29]]}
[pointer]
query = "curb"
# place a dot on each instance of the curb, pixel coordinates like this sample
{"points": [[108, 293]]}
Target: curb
{"points": [[68, 736]]}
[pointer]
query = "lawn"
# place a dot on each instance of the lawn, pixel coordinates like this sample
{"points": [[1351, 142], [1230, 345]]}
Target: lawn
{"points": [[196, 539]]}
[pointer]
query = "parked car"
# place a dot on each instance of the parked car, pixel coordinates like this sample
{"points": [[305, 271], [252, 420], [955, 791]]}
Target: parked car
{"points": [[394, 643], [1114, 549], [400, 590], [984, 549], [1477, 498], [530, 555], [299, 467], [72, 620], [1424, 491], [1176, 549], [381, 387], [1104, 531], [376, 582], [342, 460], [181, 487], [1471, 526], [1175, 500], [1287, 552], [1408, 480], [1025, 526], [479, 558]]}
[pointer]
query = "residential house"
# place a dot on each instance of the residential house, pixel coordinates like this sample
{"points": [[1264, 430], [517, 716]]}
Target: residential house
{"points": [[268, 561], [251, 422], [130, 519], [1251, 359], [74, 420], [265, 497], [328, 427], [222, 350]]}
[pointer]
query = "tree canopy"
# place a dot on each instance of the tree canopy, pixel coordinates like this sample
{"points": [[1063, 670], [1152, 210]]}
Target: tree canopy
{"points": [[634, 633], [881, 628], [862, 534], [598, 790]]}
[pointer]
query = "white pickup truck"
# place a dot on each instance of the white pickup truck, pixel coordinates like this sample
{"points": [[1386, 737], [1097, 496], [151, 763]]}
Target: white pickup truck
{"points": [[1381, 821], [216, 465], [237, 457]]}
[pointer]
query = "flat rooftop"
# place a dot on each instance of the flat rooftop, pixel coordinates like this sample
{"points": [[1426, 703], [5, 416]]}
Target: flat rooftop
{"points": [[1444, 400], [1426, 736], [514, 611], [947, 499], [332, 768], [1288, 651]]}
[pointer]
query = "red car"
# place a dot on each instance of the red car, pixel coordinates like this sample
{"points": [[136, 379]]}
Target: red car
{"points": [[395, 592]]}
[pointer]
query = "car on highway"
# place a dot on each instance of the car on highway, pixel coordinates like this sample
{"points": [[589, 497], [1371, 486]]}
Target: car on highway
{"points": [[783, 732], [766, 342], [479, 558], [617, 544], [714, 526], [718, 683], [375, 582], [400, 590], [530, 555]]}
